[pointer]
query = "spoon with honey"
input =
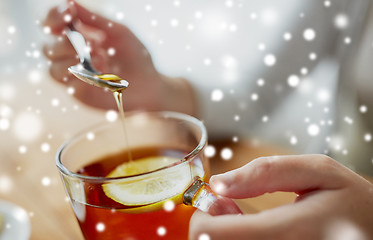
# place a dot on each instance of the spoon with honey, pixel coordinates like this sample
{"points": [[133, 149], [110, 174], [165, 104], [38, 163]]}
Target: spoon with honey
{"points": [[85, 71]]}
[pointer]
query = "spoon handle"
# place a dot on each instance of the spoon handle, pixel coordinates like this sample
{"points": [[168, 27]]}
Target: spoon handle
{"points": [[80, 46]]}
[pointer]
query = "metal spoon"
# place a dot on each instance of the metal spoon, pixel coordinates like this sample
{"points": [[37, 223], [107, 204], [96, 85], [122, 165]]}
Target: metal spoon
{"points": [[84, 70]]}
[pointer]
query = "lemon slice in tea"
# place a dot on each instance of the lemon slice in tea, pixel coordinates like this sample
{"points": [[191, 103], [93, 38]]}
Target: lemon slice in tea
{"points": [[150, 188]]}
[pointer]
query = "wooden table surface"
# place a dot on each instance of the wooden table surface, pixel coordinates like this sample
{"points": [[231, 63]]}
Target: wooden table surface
{"points": [[29, 177]]}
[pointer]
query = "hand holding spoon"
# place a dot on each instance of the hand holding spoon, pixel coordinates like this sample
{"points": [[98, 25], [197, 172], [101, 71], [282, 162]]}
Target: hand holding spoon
{"points": [[85, 71]]}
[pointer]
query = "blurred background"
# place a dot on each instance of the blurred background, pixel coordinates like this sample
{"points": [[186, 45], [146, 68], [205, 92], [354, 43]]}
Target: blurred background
{"points": [[38, 114]]}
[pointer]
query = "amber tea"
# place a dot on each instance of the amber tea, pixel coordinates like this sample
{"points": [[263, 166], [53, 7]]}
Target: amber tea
{"points": [[165, 219], [114, 197]]}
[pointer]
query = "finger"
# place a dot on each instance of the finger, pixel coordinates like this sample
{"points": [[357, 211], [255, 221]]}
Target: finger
{"points": [[303, 218], [279, 223], [100, 60], [94, 20], [298, 173], [91, 95], [204, 226], [58, 69], [58, 17], [59, 49]]}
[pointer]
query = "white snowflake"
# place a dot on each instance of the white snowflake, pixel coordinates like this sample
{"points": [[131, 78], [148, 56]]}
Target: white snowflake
{"points": [[4, 124], [254, 97], [269, 60], [260, 82], [293, 80], [111, 115], [70, 90], [21, 126], [55, 102], [190, 27], [229, 3], [265, 118], [90, 136], [169, 206], [154, 22], [45, 147], [67, 18], [22, 149], [261, 46], [47, 30], [111, 51], [323, 95], [119, 15], [207, 61], [313, 129], [229, 62], [368, 137], [46, 181], [100, 227], [348, 120], [209, 151], [12, 29], [287, 36], [148, 7], [309, 34], [232, 27], [204, 236], [341, 21], [217, 95], [6, 184], [161, 231], [34, 76], [174, 22], [198, 14], [268, 16], [293, 140], [226, 153], [363, 109], [347, 40], [313, 56]]}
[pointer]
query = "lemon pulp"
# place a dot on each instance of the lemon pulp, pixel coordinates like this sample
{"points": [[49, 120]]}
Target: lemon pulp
{"points": [[151, 190]]}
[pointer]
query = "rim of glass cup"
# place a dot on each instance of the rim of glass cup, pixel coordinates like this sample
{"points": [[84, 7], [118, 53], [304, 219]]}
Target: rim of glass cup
{"points": [[188, 157]]}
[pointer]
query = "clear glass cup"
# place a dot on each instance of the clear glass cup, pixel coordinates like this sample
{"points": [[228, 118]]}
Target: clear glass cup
{"points": [[170, 134]]}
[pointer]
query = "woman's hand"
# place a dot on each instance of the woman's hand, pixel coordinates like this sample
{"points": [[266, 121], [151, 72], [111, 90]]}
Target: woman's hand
{"points": [[114, 49], [333, 202]]}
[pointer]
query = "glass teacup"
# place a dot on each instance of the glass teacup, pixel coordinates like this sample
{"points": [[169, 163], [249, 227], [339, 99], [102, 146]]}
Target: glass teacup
{"points": [[146, 188]]}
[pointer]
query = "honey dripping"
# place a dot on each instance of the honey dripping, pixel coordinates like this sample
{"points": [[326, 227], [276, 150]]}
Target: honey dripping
{"points": [[119, 101]]}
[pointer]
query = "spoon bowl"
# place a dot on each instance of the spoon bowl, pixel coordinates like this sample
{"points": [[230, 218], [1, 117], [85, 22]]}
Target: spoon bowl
{"points": [[93, 78], [85, 71]]}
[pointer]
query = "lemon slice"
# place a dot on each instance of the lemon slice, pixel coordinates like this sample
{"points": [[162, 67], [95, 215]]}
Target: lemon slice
{"points": [[150, 188]]}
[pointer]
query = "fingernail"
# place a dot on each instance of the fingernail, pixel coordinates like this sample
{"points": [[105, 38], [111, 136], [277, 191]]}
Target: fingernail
{"points": [[220, 183], [63, 7], [67, 8]]}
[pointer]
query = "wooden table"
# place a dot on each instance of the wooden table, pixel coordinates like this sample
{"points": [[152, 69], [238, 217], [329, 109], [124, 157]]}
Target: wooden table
{"points": [[29, 177]]}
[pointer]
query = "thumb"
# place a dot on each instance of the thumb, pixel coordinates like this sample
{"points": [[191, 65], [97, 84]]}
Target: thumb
{"points": [[298, 173], [95, 20]]}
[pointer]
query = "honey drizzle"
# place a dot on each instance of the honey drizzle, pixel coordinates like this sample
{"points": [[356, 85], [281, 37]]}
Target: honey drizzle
{"points": [[119, 101]]}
